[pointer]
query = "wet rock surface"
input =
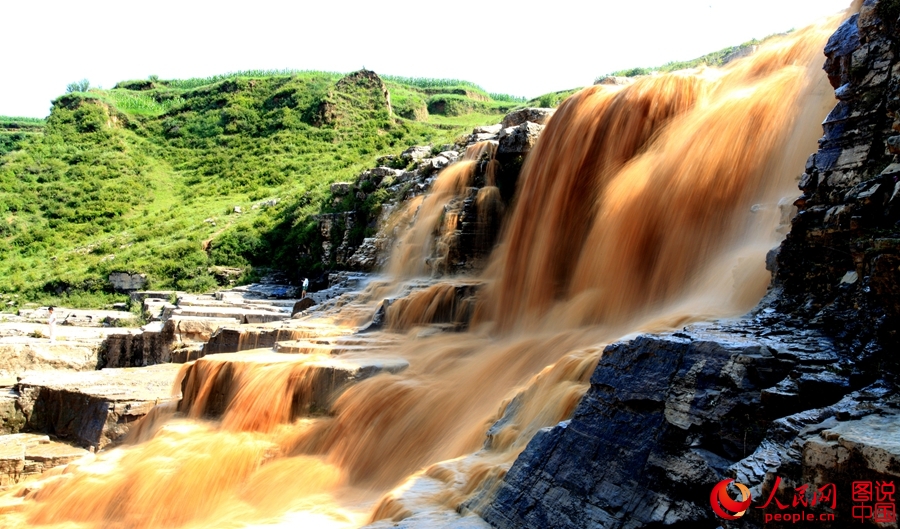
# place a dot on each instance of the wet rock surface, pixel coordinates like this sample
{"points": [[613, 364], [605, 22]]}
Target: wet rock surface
{"points": [[664, 419]]}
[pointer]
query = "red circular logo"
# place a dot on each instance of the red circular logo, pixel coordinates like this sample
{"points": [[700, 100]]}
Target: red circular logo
{"points": [[722, 503]]}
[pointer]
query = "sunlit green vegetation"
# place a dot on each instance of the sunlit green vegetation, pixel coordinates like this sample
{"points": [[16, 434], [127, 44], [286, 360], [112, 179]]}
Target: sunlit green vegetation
{"points": [[551, 100], [146, 177], [14, 130]]}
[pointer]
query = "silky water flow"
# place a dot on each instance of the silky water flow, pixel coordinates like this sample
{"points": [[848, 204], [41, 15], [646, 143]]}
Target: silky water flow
{"points": [[641, 208]]}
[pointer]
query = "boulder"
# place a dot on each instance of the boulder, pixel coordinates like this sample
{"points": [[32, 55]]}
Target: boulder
{"points": [[302, 305], [416, 153], [450, 155], [534, 115], [127, 282], [519, 139], [430, 165], [479, 137], [488, 129]]}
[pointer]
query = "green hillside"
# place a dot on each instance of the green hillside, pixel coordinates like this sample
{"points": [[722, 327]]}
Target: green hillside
{"points": [[174, 177]]}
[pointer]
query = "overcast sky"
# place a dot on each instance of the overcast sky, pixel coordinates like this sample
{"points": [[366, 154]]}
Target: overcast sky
{"points": [[521, 48]]}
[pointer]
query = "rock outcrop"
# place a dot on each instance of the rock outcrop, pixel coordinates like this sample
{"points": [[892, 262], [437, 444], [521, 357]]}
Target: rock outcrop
{"points": [[519, 139], [538, 116], [127, 282], [360, 237], [664, 419], [18, 355], [92, 408]]}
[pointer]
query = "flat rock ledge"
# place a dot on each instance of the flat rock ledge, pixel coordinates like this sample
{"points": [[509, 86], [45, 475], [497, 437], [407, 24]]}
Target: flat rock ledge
{"points": [[26, 455], [92, 408], [20, 354]]}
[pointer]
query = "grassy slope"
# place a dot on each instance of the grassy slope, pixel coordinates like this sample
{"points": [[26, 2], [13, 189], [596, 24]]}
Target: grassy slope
{"points": [[142, 177]]}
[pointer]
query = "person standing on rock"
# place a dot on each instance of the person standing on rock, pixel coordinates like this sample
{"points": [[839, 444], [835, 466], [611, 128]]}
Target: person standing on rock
{"points": [[51, 323], [305, 287]]}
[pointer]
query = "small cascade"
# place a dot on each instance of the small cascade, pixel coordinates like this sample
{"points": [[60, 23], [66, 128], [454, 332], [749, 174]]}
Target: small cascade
{"points": [[491, 210], [433, 233], [444, 303], [260, 390]]}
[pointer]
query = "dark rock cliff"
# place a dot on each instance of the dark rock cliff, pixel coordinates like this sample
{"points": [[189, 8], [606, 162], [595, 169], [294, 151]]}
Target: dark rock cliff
{"points": [[841, 259], [801, 394]]}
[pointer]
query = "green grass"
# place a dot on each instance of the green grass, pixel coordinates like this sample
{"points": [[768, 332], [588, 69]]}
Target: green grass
{"points": [[142, 179], [197, 82], [15, 130], [552, 99], [13, 121], [460, 105], [427, 82], [507, 98], [140, 103], [465, 122]]}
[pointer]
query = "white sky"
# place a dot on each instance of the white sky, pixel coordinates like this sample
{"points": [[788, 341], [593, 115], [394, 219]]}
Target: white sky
{"points": [[522, 48]]}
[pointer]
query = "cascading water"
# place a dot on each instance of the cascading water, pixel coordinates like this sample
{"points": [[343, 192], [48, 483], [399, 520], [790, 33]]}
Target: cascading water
{"points": [[641, 208], [414, 246]]}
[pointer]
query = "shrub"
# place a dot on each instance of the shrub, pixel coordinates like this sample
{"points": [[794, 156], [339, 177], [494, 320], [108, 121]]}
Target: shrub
{"points": [[78, 86]]}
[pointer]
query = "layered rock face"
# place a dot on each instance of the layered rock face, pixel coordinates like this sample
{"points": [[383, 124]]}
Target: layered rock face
{"points": [[92, 408], [24, 456], [803, 394], [664, 419], [841, 259]]}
